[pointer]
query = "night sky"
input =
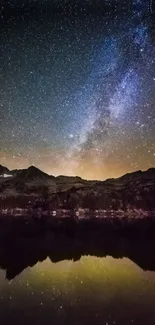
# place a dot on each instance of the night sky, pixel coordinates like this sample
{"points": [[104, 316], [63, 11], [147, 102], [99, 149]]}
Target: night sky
{"points": [[77, 86]]}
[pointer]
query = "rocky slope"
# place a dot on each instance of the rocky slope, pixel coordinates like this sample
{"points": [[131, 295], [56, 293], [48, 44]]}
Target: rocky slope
{"points": [[33, 188]]}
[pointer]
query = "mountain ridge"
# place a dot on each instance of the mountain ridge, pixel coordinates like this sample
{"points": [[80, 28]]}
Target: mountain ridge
{"points": [[34, 188], [34, 169]]}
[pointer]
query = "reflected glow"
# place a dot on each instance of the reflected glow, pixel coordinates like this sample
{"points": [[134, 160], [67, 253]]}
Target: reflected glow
{"points": [[115, 290]]}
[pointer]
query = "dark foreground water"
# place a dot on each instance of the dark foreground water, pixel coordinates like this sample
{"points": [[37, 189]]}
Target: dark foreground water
{"points": [[54, 279], [68, 275], [92, 290]]}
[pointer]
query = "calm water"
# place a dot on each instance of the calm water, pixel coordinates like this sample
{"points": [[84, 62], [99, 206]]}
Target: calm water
{"points": [[91, 290]]}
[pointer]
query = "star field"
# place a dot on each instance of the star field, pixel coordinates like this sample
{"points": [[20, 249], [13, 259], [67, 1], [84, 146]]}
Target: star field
{"points": [[77, 86]]}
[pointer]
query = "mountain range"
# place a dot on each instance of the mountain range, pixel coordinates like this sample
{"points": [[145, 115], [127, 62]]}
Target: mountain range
{"points": [[33, 188]]}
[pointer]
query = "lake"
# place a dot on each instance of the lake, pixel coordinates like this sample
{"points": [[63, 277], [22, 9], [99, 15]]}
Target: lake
{"points": [[90, 290]]}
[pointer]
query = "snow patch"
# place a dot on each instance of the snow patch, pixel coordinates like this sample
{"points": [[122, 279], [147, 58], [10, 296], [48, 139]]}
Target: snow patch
{"points": [[6, 175]]}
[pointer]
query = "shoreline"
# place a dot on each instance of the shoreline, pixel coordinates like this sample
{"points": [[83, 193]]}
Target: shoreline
{"points": [[77, 228]]}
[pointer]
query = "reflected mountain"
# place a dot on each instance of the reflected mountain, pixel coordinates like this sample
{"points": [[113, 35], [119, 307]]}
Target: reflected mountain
{"points": [[19, 252]]}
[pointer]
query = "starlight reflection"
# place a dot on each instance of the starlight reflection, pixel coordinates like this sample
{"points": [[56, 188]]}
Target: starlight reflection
{"points": [[111, 290]]}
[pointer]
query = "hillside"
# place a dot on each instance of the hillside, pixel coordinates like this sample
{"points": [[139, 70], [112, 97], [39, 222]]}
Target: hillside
{"points": [[34, 188]]}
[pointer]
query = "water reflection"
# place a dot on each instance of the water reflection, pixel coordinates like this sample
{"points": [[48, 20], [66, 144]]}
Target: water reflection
{"points": [[17, 253], [92, 290], [63, 280]]}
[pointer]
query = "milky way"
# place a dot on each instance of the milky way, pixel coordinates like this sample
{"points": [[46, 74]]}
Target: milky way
{"points": [[77, 86]]}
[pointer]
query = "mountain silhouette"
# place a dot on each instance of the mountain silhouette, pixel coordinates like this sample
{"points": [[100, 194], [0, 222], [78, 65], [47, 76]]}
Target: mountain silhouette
{"points": [[131, 191], [20, 252]]}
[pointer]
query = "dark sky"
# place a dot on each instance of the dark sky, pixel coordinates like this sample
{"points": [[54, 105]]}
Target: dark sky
{"points": [[77, 86]]}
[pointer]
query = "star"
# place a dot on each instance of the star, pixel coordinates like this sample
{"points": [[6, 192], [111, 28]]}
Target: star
{"points": [[77, 87]]}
